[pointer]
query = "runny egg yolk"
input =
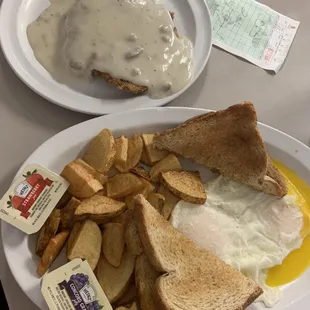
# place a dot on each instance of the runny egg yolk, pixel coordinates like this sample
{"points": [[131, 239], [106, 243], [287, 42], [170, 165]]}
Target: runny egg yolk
{"points": [[298, 260]]}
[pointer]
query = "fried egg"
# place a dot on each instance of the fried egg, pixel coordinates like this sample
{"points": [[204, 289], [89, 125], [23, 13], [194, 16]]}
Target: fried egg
{"points": [[258, 234], [289, 271]]}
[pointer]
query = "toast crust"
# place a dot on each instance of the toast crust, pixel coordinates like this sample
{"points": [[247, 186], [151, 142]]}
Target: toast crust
{"points": [[227, 142], [193, 278]]}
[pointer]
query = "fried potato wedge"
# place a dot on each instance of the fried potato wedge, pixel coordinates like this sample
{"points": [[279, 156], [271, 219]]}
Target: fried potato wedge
{"points": [[101, 152], [128, 297], [148, 187], [169, 163], [115, 281], [132, 237], [63, 200], [123, 184], [73, 233], [53, 248], [170, 201], [99, 208], [144, 159], [121, 147], [157, 201], [102, 192], [145, 276], [121, 219], [145, 191], [141, 172], [82, 183], [48, 231], [113, 243], [135, 148], [87, 244], [132, 307], [67, 213], [187, 185], [97, 175], [153, 154]]}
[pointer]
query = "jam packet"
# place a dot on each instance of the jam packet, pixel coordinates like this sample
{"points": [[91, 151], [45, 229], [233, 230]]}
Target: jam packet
{"points": [[32, 197], [74, 286]]}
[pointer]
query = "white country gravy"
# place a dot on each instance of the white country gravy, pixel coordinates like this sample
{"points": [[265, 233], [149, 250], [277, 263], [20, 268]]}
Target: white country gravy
{"points": [[133, 40]]}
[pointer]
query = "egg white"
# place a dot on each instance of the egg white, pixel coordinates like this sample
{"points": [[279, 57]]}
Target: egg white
{"points": [[249, 230]]}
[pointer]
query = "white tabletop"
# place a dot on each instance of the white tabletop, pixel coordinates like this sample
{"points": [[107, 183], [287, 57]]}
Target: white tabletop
{"points": [[282, 101]]}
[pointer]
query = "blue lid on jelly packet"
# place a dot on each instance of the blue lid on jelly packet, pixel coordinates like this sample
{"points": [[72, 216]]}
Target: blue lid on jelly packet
{"points": [[74, 286]]}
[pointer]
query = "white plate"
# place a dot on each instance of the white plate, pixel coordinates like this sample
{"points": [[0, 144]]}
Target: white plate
{"points": [[192, 18], [67, 145]]}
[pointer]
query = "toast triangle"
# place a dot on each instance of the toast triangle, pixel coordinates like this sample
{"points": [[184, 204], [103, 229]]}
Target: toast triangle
{"points": [[227, 142], [192, 279]]}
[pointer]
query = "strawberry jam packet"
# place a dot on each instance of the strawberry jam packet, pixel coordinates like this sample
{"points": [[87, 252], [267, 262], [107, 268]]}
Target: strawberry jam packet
{"points": [[74, 287], [32, 197]]}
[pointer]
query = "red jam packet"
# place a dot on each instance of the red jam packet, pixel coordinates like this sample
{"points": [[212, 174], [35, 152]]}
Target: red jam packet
{"points": [[74, 286], [32, 197]]}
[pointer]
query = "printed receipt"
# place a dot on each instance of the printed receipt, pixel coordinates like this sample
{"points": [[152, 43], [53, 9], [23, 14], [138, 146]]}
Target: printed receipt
{"points": [[252, 31]]}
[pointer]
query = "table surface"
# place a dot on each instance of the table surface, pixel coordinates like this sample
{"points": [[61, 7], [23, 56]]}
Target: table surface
{"points": [[282, 101]]}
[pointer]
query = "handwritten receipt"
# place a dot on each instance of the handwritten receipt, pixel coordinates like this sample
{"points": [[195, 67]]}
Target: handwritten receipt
{"points": [[252, 31]]}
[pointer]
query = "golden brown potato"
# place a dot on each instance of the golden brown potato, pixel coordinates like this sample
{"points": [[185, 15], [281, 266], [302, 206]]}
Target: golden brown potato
{"points": [[87, 244], [73, 233], [101, 151], [121, 147], [97, 175], [128, 297], [123, 184], [135, 147], [153, 154], [63, 200], [140, 172], [67, 213], [187, 185], [121, 219], [115, 281], [157, 201], [99, 209], [82, 183], [144, 159], [132, 307], [169, 163], [113, 243], [53, 248], [145, 191], [170, 201], [48, 231]]}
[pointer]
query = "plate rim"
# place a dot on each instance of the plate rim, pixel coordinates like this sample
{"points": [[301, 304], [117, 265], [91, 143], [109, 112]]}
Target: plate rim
{"points": [[278, 137], [34, 84]]}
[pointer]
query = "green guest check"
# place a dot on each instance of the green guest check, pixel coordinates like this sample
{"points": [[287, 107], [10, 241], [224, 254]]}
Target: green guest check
{"points": [[252, 31]]}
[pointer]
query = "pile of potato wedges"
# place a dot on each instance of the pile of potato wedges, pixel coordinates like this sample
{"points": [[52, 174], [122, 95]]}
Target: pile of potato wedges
{"points": [[94, 219]]}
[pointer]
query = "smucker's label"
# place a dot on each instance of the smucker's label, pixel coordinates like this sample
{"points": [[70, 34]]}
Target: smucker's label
{"points": [[32, 197], [74, 286]]}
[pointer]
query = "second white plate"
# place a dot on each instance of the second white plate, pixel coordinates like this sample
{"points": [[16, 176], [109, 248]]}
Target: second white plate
{"points": [[69, 144], [192, 18]]}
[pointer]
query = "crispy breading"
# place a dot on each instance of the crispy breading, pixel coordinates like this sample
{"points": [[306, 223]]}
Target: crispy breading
{"points": [[123, 84]]}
